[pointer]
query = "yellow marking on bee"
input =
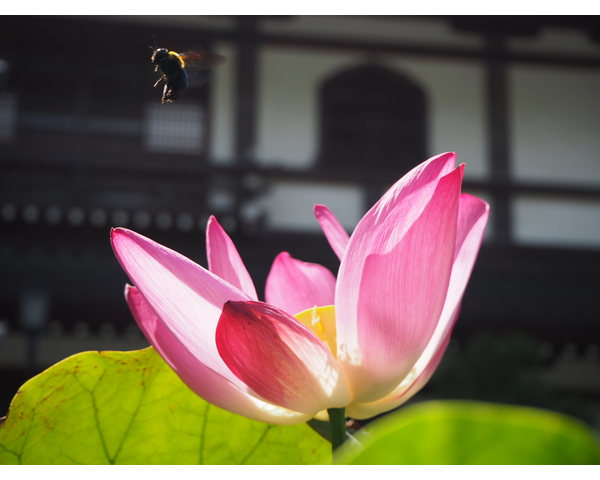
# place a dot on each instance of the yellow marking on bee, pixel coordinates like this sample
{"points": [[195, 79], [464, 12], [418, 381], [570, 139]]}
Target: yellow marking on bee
{"points": [[176, 55]]}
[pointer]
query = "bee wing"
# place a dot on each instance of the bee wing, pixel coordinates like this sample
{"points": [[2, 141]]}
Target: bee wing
{"points": [[202, 61]]}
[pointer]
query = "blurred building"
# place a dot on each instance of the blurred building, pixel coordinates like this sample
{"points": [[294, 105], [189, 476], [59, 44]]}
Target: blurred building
{"points": [[307, 110]]}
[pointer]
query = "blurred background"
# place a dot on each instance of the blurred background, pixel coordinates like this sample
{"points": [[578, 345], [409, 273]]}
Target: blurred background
{"points": [[307, 110]]}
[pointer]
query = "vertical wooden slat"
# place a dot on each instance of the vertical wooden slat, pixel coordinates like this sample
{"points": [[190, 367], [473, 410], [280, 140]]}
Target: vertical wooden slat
{"points": [[246, 88], [498, 128], [245, 135]]}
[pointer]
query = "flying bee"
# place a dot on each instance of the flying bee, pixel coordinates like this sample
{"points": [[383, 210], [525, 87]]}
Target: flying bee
{"points": [[174, 68]]}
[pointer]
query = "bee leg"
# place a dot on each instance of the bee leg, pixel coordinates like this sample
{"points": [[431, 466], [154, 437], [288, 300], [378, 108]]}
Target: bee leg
{"points": [[161, 79]]}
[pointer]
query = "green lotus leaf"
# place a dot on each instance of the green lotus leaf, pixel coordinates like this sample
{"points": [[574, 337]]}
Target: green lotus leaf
{"points": [[461, 432], [131, 408]]}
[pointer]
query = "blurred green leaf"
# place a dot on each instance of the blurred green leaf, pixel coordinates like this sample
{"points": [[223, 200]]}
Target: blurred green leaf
{"points": [[459, 432], [131, 408]]}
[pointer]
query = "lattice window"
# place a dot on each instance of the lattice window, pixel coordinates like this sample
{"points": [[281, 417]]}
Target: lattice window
{"points": [[174, 129]]}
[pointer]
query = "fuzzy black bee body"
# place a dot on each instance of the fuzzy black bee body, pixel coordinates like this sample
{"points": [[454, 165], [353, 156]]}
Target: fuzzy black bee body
{"points": [[173, 68]]}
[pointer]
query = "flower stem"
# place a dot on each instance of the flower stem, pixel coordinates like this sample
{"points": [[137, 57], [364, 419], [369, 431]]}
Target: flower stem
{"points": [[337, 425]]}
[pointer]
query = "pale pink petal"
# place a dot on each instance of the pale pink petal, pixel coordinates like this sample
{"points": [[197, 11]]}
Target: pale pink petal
{"points": [[224, 259], [186, 297], [333, 230], [423, 174], [473, 215], [279, 358], [203, 381], [409, 386], [294, 286], [392, 285], [472, 218]]}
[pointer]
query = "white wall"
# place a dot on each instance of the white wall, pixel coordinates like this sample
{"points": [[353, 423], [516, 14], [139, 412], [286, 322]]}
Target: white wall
{"points": [[290, 205], [557, 222], [555, 118]]}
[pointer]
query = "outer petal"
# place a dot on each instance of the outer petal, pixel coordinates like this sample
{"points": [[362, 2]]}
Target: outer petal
{"points": [[203, 381], [473, 216], [415, 380], [279, 358], [187, 298], [392, 285], [224, 259], [472, 219], [294, 286], [333, 230]]}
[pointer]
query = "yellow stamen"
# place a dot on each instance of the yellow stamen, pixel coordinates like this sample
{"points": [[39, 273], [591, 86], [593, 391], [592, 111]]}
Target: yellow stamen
{"points": [[321, 321]]}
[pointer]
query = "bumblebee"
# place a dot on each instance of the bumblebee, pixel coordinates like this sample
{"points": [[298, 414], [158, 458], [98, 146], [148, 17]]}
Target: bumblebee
{"points": [[174, 70]]}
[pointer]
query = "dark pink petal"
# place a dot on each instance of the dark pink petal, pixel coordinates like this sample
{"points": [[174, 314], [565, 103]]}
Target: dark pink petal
{"points": [[187, 298], [392, 285], [203, 381], [294, 286], [224, 259], [279, 358], [333, 230]]}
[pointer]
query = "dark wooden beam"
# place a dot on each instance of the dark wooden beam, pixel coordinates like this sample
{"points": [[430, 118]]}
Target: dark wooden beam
{"points": [[246, 83], [176, 168], [498, 125]]}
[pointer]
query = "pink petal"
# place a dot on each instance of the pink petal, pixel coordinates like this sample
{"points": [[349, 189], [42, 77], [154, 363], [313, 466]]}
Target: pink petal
{"points": [[472, 218], [392, 285], [203, 381], [294, 286], [473, 214], [409, 386], [224, 259], [187, 298], [279, 358], [333, 230]]}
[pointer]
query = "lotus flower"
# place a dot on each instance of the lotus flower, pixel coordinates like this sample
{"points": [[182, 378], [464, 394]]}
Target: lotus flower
{"points": [[367, 341]]}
